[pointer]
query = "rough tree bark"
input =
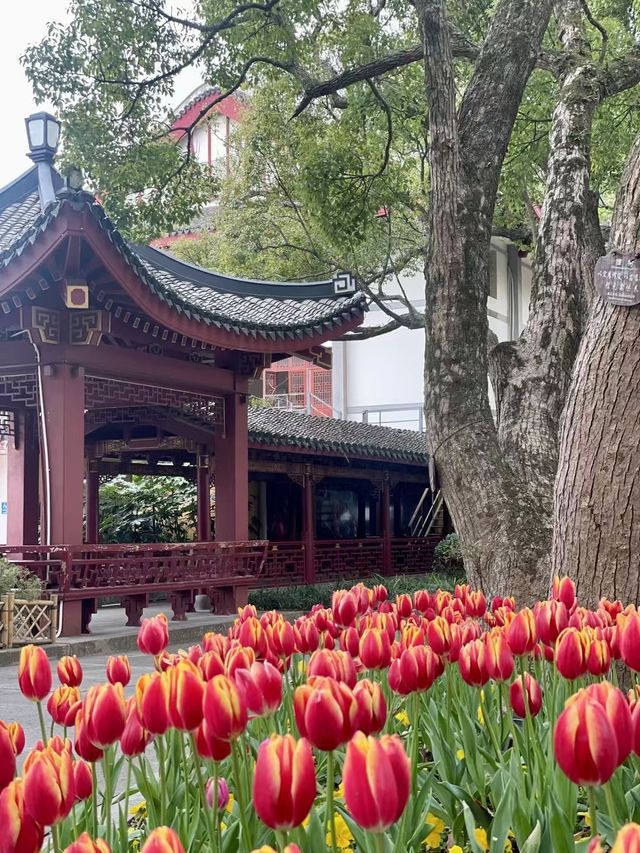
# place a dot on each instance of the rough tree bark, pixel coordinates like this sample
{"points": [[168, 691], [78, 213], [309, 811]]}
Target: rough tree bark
{"points": [[597, 497], [492, 510]]}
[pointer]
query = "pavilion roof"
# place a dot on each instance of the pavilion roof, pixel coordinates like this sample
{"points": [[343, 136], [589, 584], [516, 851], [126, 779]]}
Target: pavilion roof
{"points": [[282, 428], [271, 311]]}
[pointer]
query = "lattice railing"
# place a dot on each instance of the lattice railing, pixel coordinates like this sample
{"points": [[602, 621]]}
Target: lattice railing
{"points": [[24, 621]]}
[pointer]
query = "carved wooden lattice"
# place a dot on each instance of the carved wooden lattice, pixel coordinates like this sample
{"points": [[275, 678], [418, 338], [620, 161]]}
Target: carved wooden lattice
{"points": [[7, 425], [26, 621]]}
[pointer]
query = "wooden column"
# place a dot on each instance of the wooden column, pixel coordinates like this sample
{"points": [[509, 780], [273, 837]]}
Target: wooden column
{"points": [[63, 390], [22, 480], [309, 528], [92, 499], [204, 497], [232, 473], [385, 511]]}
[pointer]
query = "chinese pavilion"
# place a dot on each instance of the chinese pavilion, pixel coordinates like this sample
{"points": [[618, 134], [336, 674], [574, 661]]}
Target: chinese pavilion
{"points": [[117, 357]]}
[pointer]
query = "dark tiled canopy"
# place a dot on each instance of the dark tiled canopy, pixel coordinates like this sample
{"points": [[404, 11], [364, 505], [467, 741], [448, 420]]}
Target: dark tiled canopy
{"points": [[282, 428], [258, 309]]}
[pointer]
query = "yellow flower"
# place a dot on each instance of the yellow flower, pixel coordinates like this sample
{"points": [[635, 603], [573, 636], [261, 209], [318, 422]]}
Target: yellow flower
{"points": [[339, 794], [302, 666], [139, 808], [434, 837], [229, 806], [480, 715], [481, 838], [460, 754], [586, 817], [344, 836], [456, 849], [403, 718]]}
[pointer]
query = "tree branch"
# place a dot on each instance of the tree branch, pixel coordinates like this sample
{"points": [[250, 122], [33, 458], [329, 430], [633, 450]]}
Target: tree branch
{"points": [[375, 331]]}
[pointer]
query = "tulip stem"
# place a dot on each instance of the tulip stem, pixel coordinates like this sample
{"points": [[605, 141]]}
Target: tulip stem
{"points": [[159, 743], [212, 829], [282, 839], [593, 811], [94, 798], [43, 728], [108, 793], [126, 793], [379, 842], [611, 808], [329, 817], [240, 794]]}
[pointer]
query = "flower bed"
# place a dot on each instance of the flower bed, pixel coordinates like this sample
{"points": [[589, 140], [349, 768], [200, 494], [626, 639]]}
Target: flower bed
{"points": [[427, 722]]}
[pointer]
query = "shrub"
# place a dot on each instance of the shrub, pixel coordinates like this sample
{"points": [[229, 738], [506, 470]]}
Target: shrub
{"points": [[448, 556], [17, 579]]}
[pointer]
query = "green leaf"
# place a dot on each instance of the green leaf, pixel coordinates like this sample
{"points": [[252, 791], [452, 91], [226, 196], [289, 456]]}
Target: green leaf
{"points": [[532, 844]]}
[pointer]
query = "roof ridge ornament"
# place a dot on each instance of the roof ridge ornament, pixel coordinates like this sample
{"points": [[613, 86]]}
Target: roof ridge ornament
{"points": [[43, 135], [343, 282]]}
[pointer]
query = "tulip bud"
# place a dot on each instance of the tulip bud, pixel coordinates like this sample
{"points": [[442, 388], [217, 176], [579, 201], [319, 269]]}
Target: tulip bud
{"points": [[70, 671], [20, 832], [404, 605], [135, 738], [152, 697], [379, 593], [104, 714], [344, 607], [284, 781], [83, 745], [326, 712], [238, 658], [282, 639], [475, 604], [225, 711], [163, 840], [372, 707], [584, 741], [617, 710], [7, 758], [472, 663], [63, 705], [564, 590], [85, 844], [251, 635], [521, 632], [34, 673], [261, 687], [599, 656], [209, 746], [186, 691], [223, 793], [153, 636], [415, 670], [551, 618], [350, 641], [82, 780], [307, 636], [439, 635], [630, 640], [49, 791], [572, 653], [119, 670], [534, 696], [375, 649], [377, 780], [211, 664], [499, 657], [333, 664], [16, 733]]}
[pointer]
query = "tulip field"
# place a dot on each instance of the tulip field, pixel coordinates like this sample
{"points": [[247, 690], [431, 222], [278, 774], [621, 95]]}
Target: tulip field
{"points": [[436, 721]]}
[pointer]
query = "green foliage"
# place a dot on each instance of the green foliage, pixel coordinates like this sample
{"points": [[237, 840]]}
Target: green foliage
{"points": [[19, 580], [448, 555], [147, 509], [294, 598]]}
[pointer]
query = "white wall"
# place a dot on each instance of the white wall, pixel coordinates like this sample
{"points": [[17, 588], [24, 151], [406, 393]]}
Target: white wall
{"points": [[3, 492], [217, 130]]}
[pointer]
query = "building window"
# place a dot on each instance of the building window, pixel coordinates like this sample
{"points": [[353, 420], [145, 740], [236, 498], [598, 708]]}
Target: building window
{"points": [[493, 274]]}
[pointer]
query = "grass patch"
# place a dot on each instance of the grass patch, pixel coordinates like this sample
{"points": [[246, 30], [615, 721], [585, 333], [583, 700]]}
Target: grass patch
{"points": [[304, 597]]}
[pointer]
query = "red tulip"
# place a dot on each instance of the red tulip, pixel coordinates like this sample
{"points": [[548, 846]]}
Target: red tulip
{"points": [[599, 656], [83, 745], [209, 746], [238, 658], [439, 635], [104, 714], [473, 664], [307, 636], [20, 833], [375, 649], [34, 673], [63, 705], [326, 712], [49, 791], [333, 664], [617, 710], [186, 692], [377, 780], [163, 840], [152, 697], [284, 781], [404, 605], [630, 639], [282, 638], [85, 844], [153, 636], [585, 742], [551, 618], [415, 670], [627, 841], [564, 590], [70, 671], [214, 642], [82, 780], [225, 711], [211, 664], [251, 635], [572, 653], [498, 655], [521, 632], [7, 758], [261, 687], [475, 604], [135, 738], [16, 733], [372, 707], [119, 670], [379, 593], [534, 696], [344, 607]]}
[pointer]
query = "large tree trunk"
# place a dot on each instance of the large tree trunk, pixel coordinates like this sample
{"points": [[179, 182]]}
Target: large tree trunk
{"points": [[495, 514], [597, 497]]}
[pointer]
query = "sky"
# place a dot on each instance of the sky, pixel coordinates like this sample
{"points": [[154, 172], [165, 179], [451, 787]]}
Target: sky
{"points": [[25, 23]]}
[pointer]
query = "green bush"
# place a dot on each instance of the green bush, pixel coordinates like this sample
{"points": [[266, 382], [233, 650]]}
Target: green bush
{"points": [[448, 555], [17, 579], [304, 597]]}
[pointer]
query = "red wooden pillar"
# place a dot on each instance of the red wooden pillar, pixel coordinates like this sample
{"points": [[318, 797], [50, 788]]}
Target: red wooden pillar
{"points": [[22, 481], [386, 526], [309, 528], [204, 497], [63, 391], [232, 473], [92, 499]]}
